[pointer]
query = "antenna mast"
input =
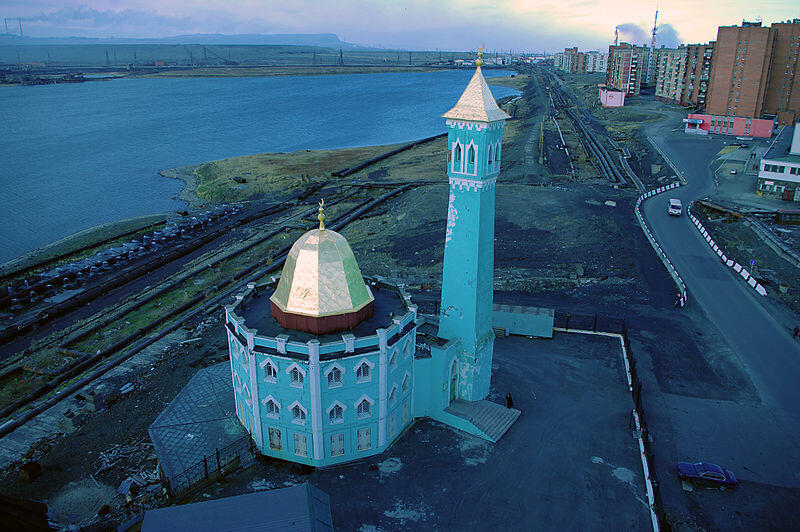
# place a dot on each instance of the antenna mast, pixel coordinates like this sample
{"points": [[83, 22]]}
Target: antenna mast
{"points": [[652, 53]]}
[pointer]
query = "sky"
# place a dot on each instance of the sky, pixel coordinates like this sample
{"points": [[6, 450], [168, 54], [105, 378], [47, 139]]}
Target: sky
{"points": [[519, 25]]}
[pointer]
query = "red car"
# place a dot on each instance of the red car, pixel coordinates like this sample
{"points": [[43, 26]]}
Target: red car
{"points": [[705, 474]]}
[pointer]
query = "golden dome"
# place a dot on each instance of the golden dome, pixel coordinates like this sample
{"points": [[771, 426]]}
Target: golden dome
{"points": [[321, 277]]}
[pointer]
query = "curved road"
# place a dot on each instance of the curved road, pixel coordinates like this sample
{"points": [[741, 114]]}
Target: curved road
{"points": [[765, 346]]}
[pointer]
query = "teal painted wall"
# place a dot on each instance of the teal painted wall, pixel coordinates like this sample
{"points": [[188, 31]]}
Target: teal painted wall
{"points": [[474, 158]]}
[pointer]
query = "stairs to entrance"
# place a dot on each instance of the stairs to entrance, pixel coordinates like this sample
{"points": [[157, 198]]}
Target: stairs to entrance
{"points": [[490, 418]]}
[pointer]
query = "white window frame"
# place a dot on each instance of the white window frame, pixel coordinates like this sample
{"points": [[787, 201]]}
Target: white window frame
{"points": [[298, 436], [337, 420], [341, 374], [366, 431], [460, 170], [340, 437], [301, 371], [370, 403], [358, 365], [298, 420], [475, 160], [263, 365], [277, 404]]}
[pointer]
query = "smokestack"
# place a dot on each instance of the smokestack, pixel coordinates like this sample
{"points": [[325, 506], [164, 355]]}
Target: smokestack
{"points": [[616, 36]]}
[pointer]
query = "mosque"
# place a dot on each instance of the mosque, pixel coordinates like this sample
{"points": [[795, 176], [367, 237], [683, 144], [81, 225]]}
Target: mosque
{"points": [[329, 367]]}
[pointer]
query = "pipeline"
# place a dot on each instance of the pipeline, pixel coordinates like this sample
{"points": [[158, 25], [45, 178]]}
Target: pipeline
{"points": [[353, 169], [13, 424]]}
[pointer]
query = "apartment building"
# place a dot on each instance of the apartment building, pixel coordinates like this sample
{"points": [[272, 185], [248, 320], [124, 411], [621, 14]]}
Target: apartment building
{"points": [[670, 74], [627, 67], [699, 59], [740, 73], [783, 89], [596, 61]]}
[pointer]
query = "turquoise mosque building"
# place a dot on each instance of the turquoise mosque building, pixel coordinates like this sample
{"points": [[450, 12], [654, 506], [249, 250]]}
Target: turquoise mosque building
{"points": [[329, 367]]}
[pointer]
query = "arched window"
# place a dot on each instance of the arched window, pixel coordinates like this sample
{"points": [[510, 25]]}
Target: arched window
{"points": [[270, 372], [471, 155], [334, 378], [336, 414], [363, 409], [406, 383], [393, 395], [273, 410], [393, 360], [458, 153], [297, 377], [298, 415], [491, 154], [364, 371]]}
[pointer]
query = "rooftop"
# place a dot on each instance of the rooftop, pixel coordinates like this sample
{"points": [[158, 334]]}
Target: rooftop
{"points": [[477, 102], [780, 147], [257, 315]]}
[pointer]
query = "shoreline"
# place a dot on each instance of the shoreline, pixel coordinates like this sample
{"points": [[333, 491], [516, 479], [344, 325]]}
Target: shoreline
{"points": [[189, 195]]}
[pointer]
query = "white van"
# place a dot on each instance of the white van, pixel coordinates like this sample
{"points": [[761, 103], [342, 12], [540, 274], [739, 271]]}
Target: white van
{"points": [[675, 207]]}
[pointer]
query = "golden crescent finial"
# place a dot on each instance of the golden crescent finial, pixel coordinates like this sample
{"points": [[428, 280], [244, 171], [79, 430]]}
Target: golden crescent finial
{"points": [[321, 215], [479, 62]]}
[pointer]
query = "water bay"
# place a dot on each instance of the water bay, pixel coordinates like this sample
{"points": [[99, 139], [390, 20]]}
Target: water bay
{"points": [[78, 155]]}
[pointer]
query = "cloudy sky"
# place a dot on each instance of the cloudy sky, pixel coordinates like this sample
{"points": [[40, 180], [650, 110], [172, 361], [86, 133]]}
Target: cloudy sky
{"points": [[415, 24]]}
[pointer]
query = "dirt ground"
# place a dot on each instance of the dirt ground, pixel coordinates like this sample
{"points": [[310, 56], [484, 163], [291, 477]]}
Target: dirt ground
{"points": [[780, 277]]}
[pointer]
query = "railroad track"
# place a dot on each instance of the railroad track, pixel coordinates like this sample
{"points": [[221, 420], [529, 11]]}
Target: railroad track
{"points": [[86, 370], [604, 161]]}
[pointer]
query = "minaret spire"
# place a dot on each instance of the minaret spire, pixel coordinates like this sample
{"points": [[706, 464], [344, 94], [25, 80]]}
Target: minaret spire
{"points": [[474, 141]]}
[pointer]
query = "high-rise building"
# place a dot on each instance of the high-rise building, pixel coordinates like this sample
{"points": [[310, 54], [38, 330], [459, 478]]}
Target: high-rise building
{"points": [[698, 72], [783, 90], [627, 67], [669, 68], [740, 72], [596, 61]]}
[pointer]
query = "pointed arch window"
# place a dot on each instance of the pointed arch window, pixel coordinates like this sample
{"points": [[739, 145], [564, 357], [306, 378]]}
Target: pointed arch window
{"points": [[364, 371], [491, 155], [270, 370], [471, 155], [406, 382], [296, 375], [298, 413], [364, 408], [336, 413], [273, 409], [458, 153]]}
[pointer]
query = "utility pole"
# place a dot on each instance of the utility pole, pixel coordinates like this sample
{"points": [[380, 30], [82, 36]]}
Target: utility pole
{"points": [[341, 58]]}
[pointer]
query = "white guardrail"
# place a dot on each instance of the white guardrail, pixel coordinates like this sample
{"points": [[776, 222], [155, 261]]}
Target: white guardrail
{"points": [[681, 301], [738, 268]]}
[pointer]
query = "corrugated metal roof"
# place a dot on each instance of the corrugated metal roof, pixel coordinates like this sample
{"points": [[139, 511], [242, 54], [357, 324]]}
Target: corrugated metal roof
{"points": [[296, 508], [477, 103]]}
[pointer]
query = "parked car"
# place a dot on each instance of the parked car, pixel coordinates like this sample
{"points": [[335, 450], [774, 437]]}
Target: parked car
{"points": [[675, 207], [706, 474], [734, 171]]}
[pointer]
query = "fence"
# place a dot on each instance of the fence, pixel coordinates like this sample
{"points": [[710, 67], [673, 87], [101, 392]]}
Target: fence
{"points": [[208, 469], [617, 327]]}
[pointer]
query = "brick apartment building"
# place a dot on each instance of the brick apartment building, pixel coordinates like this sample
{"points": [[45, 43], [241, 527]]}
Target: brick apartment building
{"points": [[783, 89], [627, 67], [698, 73], [575, 62], [682, 74], [753, 82], [670, 74]]}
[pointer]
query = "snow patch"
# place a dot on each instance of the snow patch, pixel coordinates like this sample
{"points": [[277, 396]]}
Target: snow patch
{"points": [[623, 474], [390, 466], [597, 460], [407, 512], [474, 451]]}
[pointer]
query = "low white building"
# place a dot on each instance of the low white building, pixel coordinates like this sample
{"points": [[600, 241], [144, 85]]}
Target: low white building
{"points": [[779, 171]]}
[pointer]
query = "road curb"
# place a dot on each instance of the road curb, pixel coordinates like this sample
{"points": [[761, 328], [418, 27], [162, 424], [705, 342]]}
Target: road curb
{"points": [[660, 252], [735, 266]]}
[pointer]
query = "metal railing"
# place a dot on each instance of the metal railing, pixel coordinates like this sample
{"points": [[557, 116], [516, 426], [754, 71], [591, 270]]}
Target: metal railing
{"points": [[209, 468]]}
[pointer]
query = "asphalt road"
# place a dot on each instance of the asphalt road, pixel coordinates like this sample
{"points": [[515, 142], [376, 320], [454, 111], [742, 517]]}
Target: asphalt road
{"points": [[764, 345]]}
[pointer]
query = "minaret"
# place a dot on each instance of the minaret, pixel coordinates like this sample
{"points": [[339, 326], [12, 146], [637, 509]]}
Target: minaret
{"points": [[474, 141]]}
